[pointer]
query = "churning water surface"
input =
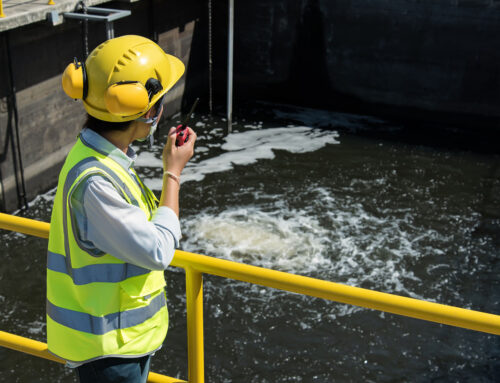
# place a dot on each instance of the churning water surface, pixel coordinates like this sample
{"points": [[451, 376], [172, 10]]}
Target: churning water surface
{"points": [[346, 198]]}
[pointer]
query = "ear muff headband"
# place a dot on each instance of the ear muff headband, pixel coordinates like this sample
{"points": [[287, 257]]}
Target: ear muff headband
{"points": [[85, 79]]}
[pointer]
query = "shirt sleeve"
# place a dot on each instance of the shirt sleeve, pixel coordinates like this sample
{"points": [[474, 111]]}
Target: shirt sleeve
{"points": [[118, 228]]}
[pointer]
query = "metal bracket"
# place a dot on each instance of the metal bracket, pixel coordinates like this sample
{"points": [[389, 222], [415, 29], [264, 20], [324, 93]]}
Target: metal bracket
{"points": [[53, 18], [107, 15]]}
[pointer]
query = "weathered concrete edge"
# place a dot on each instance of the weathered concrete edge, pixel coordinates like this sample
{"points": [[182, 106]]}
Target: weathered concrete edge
{"points": [[40, 13]]}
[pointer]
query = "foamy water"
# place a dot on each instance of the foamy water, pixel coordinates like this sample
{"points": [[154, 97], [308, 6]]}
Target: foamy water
{"points": [[403, 219], [294, 243], [338, 241], [335, 238], [245, 148]]}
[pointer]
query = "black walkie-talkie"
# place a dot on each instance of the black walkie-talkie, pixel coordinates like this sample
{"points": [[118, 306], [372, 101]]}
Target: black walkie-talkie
{"points": [[182, 132]]}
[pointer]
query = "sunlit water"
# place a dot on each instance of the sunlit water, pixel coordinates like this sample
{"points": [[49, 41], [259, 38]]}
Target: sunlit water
{"points": [[334, 196]]}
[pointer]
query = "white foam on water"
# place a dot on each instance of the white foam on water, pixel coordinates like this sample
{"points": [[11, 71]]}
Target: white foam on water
{"points": [[335, 239], [48, 196], [292, 242], [246, 148], [148, 159], [36, 327], [153, 183]]}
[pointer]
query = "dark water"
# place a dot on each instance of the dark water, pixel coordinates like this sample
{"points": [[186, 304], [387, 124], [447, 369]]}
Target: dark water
{"points": [[346, 198]]}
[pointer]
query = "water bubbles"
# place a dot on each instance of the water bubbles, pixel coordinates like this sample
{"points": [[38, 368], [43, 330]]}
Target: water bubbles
{"points": [[290, 242], [243, 148]]}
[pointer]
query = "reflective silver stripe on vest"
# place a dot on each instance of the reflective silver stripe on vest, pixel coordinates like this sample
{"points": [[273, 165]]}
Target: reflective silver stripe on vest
{"points": [[88, 144], [92, 162], [101, 272], [71, 177], [101, 325]]}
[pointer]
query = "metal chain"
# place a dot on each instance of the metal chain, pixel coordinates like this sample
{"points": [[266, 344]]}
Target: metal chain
{"points": [[85, 24], [210, 62]]}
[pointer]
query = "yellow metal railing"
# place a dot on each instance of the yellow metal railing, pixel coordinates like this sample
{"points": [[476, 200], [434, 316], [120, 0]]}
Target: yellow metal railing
{"points": [[39, 349], [51, 2], [196, 265]]}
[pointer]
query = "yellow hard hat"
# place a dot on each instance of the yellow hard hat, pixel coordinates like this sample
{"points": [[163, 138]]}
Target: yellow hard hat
{"points": [[122, 78]]}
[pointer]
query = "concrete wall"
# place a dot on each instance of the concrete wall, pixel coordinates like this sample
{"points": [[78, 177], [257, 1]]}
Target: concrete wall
{"points": [[432, 57], [48, 120]]}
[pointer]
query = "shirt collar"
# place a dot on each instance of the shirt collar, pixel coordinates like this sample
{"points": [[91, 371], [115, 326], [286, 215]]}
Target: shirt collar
{"points": [[103, 146]]}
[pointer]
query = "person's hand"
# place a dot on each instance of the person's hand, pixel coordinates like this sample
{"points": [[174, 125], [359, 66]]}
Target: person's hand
{"points": [[175, 158]]}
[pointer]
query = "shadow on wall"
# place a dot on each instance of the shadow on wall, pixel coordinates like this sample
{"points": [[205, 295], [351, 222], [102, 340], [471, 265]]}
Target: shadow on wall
{"points": [[427, 60], [309, 79], [48, 120]]}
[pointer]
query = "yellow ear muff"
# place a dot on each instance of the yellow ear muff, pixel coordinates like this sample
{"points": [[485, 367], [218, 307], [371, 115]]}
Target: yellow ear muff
{"points": [[126, 98], [74, 80]]}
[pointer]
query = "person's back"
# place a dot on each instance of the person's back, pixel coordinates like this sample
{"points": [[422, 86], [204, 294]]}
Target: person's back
{"points": [[109, 242]]}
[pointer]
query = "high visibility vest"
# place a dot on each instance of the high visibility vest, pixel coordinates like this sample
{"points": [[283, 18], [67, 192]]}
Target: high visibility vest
{"points": [[98, 305]]}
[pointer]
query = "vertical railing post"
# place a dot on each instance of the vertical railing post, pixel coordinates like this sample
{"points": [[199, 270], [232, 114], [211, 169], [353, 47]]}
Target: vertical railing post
{"points": [[194, 303]]}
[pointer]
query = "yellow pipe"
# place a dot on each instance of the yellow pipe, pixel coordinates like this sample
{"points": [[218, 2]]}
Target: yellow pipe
{"points": [[434, 312], [1, 9], [28, 346], [39, 349], [24, 225], [158, 378], [194, 303], [51, 2]]}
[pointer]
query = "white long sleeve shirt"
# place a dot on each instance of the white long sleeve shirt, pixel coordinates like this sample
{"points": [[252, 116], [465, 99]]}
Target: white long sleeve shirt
{"points": [[106, 223]]}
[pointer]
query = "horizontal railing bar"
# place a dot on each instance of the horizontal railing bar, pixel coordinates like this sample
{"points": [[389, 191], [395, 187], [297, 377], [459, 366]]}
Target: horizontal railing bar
{"points": [[28, 346], [39, 349], [24, 225], [158, 378], [433, 312]]}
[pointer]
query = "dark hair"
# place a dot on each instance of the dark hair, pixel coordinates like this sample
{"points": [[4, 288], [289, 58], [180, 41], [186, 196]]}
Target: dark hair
{"points": [[100, 126]]}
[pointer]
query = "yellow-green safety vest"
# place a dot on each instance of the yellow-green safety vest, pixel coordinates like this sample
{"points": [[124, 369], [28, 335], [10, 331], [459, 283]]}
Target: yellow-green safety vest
{"points": [[98, 305]]}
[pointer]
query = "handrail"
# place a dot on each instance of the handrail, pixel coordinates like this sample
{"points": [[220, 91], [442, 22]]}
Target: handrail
{"points": [[394, 304], [39, 349], [24, 225], [196, 265]]}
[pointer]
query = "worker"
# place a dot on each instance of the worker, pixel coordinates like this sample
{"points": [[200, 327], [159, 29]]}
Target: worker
{"points": [[109, 243]]}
